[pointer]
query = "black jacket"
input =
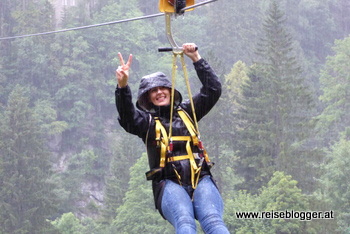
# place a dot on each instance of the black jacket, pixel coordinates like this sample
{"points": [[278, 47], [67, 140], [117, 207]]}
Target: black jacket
{"points": [[140, 122]]}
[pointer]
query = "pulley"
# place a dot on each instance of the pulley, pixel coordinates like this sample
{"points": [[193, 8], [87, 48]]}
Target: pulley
{"points": [[174, 6]]}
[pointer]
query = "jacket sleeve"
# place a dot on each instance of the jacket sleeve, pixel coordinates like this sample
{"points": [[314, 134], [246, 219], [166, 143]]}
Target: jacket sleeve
{"points": [[131, 119], [210, 91]]}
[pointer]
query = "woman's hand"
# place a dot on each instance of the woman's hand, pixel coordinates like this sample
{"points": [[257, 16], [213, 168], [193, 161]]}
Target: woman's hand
{"points": [[122, 72], [190, 50]]}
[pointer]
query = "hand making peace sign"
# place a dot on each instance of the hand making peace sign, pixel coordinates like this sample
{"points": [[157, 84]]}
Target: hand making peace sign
{"points": [[122, 72]]}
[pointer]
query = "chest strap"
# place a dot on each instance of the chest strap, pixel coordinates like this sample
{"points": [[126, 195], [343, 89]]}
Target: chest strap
{"points": [[189, 126]]}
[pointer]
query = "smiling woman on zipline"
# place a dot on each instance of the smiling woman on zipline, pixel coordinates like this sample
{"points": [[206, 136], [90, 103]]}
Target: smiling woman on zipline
{"points": [[183, 187]]}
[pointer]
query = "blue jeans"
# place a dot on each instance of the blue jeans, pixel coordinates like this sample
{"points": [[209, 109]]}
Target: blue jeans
{"points": [[181, 211]]}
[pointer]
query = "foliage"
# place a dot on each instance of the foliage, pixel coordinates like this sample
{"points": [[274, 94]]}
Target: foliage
{"points": [[336, 191], [260, 125], [215, 123], [280, 194], [47, 116], [233, 30], [335, 82], [27, 194], [68, 223], [138, 205], [276, 109]]}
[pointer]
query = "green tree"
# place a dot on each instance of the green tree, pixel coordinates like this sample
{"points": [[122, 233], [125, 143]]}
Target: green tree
{"points": [[6, 60], [28, 197], [242, 201], [335, 188], [137, 214], [280, 194], [340, 11], [68, 224], [80, 178], [26, 61], [114, 191], [232, 29], [276, 110], [232, 96], [217, 130], [47, 116], [335, 81], [71, 88]]}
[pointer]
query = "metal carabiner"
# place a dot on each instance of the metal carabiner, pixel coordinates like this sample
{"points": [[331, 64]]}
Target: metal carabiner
{"points": [[169, 33]]}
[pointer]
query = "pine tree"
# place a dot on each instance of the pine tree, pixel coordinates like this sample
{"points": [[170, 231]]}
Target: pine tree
{"points": [[137, 214], [336, 190], [280, 194], [27, 196], [276, 109], [232, 29], [335, 81], [114, 192], [219, 127], [26, 61]]}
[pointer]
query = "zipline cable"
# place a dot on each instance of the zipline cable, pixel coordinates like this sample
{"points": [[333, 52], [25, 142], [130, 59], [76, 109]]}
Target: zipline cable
{"points": [[84, 27], [101, 24]]}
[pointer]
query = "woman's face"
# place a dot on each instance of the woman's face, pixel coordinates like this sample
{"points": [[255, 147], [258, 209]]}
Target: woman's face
{"points": [[159, 96]]}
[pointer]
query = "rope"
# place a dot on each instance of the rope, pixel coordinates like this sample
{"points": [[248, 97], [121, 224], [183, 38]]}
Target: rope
{"points": [[189, 92], [172, 94], [174, 67]]}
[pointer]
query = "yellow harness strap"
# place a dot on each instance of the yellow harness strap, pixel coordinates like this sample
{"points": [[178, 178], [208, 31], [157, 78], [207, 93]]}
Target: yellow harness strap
{"points": [[163, 142], [189, 126], [194, 134]]}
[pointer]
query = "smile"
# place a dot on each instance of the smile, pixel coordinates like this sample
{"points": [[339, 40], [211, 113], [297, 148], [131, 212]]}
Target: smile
{"points": [[161, 98]]}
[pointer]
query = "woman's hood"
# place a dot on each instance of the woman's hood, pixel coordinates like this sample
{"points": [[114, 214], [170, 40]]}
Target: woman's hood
{"points": [[148, 82]]}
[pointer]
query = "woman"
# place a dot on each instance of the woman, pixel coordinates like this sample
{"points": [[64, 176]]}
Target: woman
{"points": [[183, 190]]}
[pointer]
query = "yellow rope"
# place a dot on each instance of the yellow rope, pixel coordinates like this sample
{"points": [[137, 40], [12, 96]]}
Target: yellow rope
{"points": [[164, 142], [172, 95], [189, 91], [174, 67]]}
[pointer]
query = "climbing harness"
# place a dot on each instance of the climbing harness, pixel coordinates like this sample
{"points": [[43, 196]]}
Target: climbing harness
{"points": [[164, 140], [165, 143]]}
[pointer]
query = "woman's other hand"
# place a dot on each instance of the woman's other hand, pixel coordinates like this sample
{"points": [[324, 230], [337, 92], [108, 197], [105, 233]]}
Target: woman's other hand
{"points": [[191, 51], [122, 72]]}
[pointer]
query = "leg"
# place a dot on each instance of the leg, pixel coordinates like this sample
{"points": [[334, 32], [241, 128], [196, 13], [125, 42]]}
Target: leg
{"points": [[177, 208], [208, 207]]}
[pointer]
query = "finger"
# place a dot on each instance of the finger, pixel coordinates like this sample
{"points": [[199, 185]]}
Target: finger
{"points": [[185, 47], [129, 60], [118, 73], [124, 73], [121, 58], [188, 47], [192, 47]]}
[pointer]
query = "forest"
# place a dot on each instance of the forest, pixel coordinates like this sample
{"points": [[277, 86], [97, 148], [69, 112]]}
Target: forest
{"points": [[279, 135]]}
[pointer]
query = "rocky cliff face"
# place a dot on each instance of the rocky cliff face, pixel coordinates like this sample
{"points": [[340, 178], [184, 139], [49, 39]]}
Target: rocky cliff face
{"points": [[90, 188]]}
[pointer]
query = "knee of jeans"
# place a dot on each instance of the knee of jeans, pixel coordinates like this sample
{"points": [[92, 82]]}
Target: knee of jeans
{"points": [[212, 222], [183, 221]]}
